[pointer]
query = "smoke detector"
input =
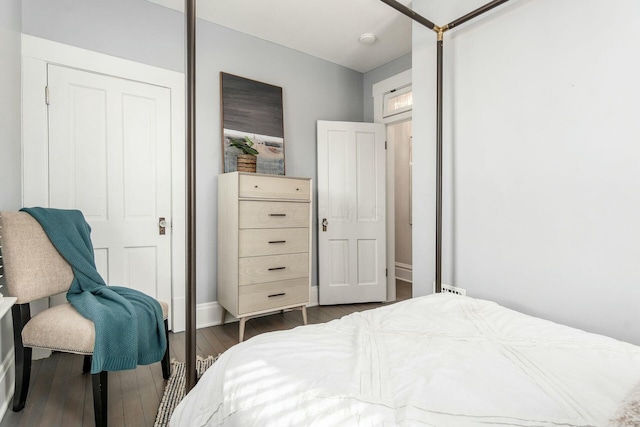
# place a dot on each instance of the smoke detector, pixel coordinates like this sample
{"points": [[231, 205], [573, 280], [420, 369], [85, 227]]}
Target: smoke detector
{"points": [[368, 38]]}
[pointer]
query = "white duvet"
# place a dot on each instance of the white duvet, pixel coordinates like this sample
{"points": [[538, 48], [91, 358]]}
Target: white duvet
{"points": [[440, 360]]}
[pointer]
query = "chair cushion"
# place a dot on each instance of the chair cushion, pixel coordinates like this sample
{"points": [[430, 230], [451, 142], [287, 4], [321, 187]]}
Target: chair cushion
{"points": [[62, 328], [33, 267]]}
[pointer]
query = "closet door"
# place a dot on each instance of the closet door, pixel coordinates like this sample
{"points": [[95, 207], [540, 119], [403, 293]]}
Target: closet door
{"points": [[110, 157], [351, 212]]}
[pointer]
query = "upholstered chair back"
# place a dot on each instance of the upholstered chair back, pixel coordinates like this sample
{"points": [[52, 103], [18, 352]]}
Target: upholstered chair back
{"points": [[33, 268]]}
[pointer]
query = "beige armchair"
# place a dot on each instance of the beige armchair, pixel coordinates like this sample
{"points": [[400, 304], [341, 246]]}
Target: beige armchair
{"points": [[33, 269]]}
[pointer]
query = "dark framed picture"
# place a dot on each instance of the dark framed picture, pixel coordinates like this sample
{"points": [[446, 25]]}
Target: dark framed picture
{"points": [[252, 125]]}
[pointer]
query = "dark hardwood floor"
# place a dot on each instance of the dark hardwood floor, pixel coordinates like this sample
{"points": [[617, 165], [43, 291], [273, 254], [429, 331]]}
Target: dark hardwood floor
{"points": [[60, 395]]}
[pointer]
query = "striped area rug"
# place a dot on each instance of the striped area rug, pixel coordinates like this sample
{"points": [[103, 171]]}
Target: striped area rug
{"points": [[174, 390]]}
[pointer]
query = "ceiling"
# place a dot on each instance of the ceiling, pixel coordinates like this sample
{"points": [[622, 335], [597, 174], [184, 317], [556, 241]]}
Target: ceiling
{"points": [[327, 29]]}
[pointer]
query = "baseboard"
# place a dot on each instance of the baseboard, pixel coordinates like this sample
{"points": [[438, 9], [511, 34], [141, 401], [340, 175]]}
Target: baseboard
{"points": [[404, 272], [208, 314], [313, 296], [7, 382], [178, 318]]}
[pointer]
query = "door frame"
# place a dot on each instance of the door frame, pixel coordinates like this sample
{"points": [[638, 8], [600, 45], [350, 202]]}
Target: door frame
{"points": [[378, 90], [36, 54]]}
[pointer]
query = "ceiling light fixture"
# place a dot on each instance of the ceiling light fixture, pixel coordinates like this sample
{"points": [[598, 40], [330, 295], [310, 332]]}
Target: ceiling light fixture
{"points": [[368, 38]]}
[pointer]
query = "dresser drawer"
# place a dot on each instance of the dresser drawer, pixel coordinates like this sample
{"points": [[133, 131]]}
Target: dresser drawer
{"points": [[254, 214], [268, 296], [275, 187], [271, 268], [272, 241]]}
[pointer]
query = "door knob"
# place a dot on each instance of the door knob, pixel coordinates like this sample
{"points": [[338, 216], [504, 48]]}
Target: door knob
{"points": [[324, 224], [162, 224]]}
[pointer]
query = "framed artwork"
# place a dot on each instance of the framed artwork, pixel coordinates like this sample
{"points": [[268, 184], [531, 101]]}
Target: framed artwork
{"points": [[252, 116]]}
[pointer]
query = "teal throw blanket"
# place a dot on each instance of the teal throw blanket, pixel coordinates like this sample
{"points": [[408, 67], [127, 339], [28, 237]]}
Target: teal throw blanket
{"points": [[129, 325]]}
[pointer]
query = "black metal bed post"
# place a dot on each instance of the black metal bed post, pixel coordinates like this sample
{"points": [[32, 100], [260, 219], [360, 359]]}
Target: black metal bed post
{"points": [[479, 11], [410, 13], [190, 68], [439, 146]]}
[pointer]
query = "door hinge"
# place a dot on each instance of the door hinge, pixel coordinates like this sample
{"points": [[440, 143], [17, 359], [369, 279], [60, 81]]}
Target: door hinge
{"points": [[386, 272], [46, 95]]}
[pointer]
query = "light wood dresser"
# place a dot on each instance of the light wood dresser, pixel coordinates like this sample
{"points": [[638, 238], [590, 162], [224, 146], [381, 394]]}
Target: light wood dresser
{"points": [[264, 244]]}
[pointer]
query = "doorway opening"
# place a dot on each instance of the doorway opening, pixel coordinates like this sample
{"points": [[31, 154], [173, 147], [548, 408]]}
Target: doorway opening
{"points": [[400, 141], [393, 104]]}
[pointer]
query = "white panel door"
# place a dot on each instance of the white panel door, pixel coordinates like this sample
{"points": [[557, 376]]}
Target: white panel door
{"points": [[351, 212], [110, 157]]}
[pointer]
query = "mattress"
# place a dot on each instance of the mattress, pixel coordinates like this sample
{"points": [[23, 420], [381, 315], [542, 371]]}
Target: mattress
{"points": [[440, 360]]}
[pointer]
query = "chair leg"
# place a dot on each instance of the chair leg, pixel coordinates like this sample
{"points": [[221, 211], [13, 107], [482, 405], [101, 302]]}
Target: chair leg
{"points": [[166, 363], [86, 364], [21, 314], [100, 391]]}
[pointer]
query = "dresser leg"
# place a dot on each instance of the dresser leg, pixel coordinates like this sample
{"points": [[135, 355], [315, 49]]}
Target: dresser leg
{"points": [[224, 316], [241, 334], [304, 314]]}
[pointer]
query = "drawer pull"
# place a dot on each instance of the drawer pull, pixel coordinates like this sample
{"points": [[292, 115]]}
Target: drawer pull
{"points": [[277, 214], [277, 268], [277, 295], [278, 241]]}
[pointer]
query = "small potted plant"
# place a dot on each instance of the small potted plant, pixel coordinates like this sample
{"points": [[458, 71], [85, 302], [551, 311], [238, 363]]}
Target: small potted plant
{"points": [[247, 159]]}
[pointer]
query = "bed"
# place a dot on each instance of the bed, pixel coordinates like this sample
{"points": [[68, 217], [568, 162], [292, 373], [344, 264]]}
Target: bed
{"points": [[439, 360]]}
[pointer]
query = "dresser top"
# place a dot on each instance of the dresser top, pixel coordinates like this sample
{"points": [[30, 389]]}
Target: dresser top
{"points": [[267, 175]]}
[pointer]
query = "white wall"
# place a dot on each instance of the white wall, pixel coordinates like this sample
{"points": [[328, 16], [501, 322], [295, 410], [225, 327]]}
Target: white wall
{"points": [[138, 30], [542, 160], [10, 172], [10, 160]]}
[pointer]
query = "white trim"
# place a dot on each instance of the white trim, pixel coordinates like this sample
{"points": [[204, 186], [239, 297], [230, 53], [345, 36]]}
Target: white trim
{"points": [[208, 314], [394, 82], [378, 90], [36, 54], [5, 304], [404, 272], [395, 94], [7, 381], [7, 373], [313, 296]]}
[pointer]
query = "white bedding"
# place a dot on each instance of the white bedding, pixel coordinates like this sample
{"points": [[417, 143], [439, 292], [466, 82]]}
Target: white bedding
{"points": [[440, 360]]}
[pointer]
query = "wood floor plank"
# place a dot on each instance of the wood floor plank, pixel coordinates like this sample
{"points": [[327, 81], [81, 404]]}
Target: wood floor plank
{"points": [[214, 343], [58, 393], [88, 413], [224, 334], [177, 345], [73, 411], [39, 392], [204, 345], [115, 408], [131, 397], [149, 397]]}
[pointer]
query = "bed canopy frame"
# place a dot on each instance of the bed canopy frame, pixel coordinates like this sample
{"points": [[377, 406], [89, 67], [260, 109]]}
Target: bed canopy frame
{"points": [[190, 67]]}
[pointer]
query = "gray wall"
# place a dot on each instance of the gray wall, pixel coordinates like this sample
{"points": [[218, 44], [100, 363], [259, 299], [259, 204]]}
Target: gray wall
{"points": [[138, 30], [541, 159], [10, 172], [378, 74]]}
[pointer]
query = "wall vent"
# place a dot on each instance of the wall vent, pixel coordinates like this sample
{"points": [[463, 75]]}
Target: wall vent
{"points": [[450, 289]]}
